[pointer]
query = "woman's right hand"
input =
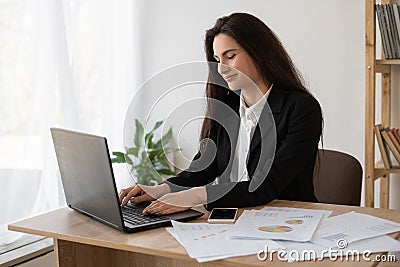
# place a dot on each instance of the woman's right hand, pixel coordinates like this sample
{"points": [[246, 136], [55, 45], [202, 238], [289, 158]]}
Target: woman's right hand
{"points": [[141, 193]]}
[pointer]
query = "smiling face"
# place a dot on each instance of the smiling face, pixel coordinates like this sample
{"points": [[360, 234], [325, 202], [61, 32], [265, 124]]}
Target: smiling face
{"points": [[235, 65]]}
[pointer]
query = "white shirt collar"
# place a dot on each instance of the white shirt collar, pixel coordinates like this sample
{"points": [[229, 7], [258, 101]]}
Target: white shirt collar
{"points": [[253, 112]]}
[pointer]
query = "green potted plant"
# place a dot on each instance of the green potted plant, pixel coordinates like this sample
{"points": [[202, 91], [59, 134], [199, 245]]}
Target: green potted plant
{"points": [[147, 161]]}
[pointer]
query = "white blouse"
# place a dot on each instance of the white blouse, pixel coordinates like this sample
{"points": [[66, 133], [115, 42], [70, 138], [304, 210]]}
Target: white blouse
{"points": [[249, 117]]}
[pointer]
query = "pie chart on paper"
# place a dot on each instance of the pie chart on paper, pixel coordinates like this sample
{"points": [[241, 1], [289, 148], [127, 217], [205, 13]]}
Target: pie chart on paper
{"points": [[275, 229]]}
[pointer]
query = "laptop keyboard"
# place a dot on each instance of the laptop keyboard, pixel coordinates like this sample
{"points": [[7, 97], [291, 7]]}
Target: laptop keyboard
{"points": [[134, 215]]}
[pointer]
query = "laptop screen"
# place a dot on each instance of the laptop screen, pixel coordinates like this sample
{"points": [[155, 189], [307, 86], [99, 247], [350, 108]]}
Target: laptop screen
{"points": [[87, 175]]}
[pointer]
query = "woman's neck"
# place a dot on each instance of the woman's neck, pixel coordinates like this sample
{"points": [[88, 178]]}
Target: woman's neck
{"points": [[251, 95]]}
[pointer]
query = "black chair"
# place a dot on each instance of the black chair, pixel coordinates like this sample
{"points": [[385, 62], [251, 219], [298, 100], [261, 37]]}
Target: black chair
{"points": [[338, 178]]}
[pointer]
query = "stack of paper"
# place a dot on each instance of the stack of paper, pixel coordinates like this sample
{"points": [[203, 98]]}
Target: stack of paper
{"points": [[296, 234], [207, 242], [271, 224], [346, 235], [352, 227], [296, 251]]}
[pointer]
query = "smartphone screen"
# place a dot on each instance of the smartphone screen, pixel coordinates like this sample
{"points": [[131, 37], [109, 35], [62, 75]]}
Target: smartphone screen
{"points": [[223, 214]]}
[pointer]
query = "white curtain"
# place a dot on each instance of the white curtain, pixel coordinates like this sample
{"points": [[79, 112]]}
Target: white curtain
{"points": [[73, 64]]}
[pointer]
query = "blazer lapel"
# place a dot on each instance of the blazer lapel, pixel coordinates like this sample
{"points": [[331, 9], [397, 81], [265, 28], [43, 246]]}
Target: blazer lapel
{"points": [[266, 121]]}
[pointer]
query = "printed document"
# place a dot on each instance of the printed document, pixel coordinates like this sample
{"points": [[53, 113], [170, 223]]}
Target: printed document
{"points": [[295, 251], [280, 225], [351, 227], [245, 252], [205, 241], [326, 213]]}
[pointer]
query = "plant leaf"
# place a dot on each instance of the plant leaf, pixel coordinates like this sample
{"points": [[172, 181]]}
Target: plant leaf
{"points": [[149, 139], [119, 157], [144, 156], [165, 139], [128, 159], [157, 125], [151, 153], [149, 136], [163, 161], [152, 163], [138, 134], [133, 151]]}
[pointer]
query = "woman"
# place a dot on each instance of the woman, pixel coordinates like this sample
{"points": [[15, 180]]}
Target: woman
{"points": [[241, 45]]}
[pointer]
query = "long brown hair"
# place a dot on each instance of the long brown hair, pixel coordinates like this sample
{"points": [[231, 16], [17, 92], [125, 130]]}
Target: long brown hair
{"points": [[263, 46]]}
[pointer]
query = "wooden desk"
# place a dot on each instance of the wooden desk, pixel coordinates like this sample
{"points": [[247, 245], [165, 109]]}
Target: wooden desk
{"points": [[82, 241]]}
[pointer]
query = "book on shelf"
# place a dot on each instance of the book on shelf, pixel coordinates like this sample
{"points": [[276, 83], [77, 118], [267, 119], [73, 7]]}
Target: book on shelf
{"points": [[382, 27], [392, 136], [393, 9], [388, 16], [389, 141], [392, 40], [397, 134], [388, 32], [385, 154], [393, 29]]}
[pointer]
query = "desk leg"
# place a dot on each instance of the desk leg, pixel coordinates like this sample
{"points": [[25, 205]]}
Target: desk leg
{"points": [[55, 245], [75, 254]]}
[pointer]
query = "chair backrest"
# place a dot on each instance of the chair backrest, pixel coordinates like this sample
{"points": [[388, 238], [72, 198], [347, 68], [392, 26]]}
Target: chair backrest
{"points": [[338, 178]]}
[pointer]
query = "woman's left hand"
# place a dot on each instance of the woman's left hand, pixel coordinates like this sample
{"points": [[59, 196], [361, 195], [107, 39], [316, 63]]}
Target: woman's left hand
{"points": [[179, 201]]}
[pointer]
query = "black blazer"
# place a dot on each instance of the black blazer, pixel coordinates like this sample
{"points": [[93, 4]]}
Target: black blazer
{"points": [[298, 122]]}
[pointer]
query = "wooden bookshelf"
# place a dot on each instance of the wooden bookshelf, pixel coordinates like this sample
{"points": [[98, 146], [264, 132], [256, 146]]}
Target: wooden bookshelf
{"points": [[388, 62], [380, 170], [374, 169]]}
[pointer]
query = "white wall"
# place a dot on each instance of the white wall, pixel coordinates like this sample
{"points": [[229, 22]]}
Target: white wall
{"points": [[324, 38]]}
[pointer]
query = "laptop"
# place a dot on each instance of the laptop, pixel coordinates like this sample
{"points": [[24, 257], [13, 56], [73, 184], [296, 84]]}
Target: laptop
{"points": [[89, 186]]}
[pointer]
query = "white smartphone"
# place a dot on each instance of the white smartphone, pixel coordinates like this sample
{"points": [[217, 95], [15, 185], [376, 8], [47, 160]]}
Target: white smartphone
{"points": [[223, 215]]}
